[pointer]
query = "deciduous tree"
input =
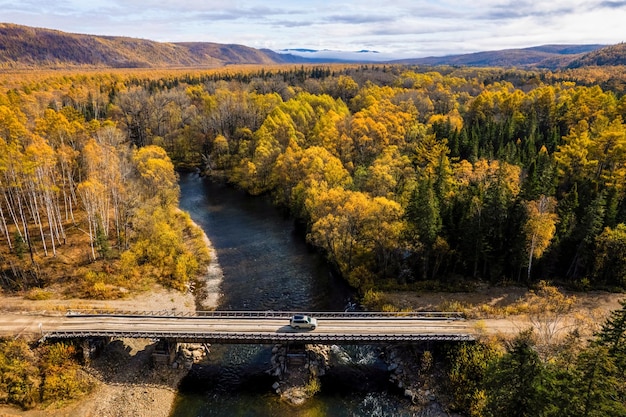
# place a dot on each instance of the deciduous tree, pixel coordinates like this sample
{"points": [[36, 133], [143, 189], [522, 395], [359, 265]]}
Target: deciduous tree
{"points": [[540, 227]]}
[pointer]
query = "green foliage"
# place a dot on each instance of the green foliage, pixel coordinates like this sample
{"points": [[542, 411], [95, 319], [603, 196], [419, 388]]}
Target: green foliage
{"points": [[468, 367], [577, 379], [590, 382], [595, 387], [610, 261], [423, 213], [19, 246], [515, 381], [102, 243], [404, 176], [613, 335]]}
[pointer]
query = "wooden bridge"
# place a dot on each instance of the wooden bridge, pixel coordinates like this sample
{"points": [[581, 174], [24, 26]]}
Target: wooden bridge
{"points": [[262, 327]]}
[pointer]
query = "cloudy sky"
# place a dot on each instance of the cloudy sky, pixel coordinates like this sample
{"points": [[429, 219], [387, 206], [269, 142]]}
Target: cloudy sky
{"points": [[394, 28]]}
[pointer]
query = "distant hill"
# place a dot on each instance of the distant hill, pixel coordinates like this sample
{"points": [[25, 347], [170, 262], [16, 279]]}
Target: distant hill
{"points": [[545, 56], [24, 46], [29, 47], [607, 56]]}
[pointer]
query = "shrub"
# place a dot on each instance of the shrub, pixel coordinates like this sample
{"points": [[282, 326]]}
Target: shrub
{"points": [[19, 376], [38, 294], [62, 379]]}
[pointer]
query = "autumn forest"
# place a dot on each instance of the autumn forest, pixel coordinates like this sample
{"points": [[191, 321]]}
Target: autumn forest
{"points": [[401, 176]]}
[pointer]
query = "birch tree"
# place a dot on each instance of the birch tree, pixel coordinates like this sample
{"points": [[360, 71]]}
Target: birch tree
{"points": [[39, 179], [539, 227]]}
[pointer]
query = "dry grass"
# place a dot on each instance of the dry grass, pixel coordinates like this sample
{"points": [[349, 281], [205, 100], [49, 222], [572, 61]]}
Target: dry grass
{"points": [[514, 305]]}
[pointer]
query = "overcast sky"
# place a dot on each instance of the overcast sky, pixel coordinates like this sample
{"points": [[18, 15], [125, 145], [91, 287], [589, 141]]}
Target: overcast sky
{"points": [[395, 28]]}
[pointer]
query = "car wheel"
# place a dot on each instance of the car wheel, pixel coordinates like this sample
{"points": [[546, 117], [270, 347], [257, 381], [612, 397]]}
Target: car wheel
{"points": [[312, 327], [297, 327]]}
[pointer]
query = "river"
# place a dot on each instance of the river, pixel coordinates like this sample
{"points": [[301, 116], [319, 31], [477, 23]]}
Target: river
{"points": [[267, 265]]}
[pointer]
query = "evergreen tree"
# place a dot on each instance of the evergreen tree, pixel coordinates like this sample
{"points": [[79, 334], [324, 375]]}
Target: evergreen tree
{"points": [[468, 365], [613, 336], [585, 233], [610, 256], [424, 221], [514, 383], [600, 385]]}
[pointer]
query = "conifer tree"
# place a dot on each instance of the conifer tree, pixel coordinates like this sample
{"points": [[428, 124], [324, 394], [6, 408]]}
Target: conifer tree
{"points": [[515, 382], [613, 335]]}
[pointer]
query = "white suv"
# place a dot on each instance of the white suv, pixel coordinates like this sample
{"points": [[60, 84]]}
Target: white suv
{"points": [[303, 322]]}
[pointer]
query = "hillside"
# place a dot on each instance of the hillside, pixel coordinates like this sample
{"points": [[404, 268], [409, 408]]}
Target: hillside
{"points": [[29, 47], [545, 56], [607, 56], [23, 46]]}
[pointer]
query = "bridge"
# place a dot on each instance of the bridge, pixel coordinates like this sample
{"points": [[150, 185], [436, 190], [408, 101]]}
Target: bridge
{"points": [[261, 327]]}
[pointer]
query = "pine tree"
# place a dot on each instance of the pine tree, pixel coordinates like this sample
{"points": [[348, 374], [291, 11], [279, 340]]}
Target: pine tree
{"points": [[515, 382], [613, 335], [599, 391], [424, 221]]}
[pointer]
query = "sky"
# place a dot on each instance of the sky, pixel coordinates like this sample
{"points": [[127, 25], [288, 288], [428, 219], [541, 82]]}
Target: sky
{"points": [[392, 28]]}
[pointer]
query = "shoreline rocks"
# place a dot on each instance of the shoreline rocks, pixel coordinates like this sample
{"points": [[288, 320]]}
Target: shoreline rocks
{"points": [[411, 376], [189, 354]]}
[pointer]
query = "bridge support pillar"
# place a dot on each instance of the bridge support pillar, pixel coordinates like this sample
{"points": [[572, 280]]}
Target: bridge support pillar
{"points": [[91, 346], [164, 352], [296, 355], [298, 368]]}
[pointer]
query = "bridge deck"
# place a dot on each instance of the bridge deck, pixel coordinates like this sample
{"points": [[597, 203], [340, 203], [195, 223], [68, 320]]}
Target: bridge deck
{"points": [[229, 327]]}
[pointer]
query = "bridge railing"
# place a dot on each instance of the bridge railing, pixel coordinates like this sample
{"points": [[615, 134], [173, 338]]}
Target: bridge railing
{"points": [[266, 338], [430, 315]]}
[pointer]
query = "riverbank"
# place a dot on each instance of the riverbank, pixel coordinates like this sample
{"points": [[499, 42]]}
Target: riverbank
{"points": [[126, 383]]}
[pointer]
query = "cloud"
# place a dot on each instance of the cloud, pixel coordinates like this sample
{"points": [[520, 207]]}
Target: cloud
{"points": [[613, 4], [358, 19], [433, 27], [527, 9]]}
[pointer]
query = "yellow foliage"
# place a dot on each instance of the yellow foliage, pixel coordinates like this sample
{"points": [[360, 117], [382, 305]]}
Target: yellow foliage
{"points": [[62, 377], [485, 173], [541, 224], [158, 175], [453, 117], [38, 294]]}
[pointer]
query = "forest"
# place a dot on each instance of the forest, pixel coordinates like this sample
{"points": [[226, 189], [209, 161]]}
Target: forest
{"points": [[84, 209], [402, 176]]}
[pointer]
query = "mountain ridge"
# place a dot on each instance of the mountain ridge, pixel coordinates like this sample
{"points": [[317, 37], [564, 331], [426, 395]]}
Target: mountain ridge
{"points": [[31, 47], [612, 55], [25, 46], [551, 56]]}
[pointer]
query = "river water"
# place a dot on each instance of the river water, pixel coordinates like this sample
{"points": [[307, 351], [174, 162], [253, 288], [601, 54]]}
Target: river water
{"points": [[268, 266]]}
